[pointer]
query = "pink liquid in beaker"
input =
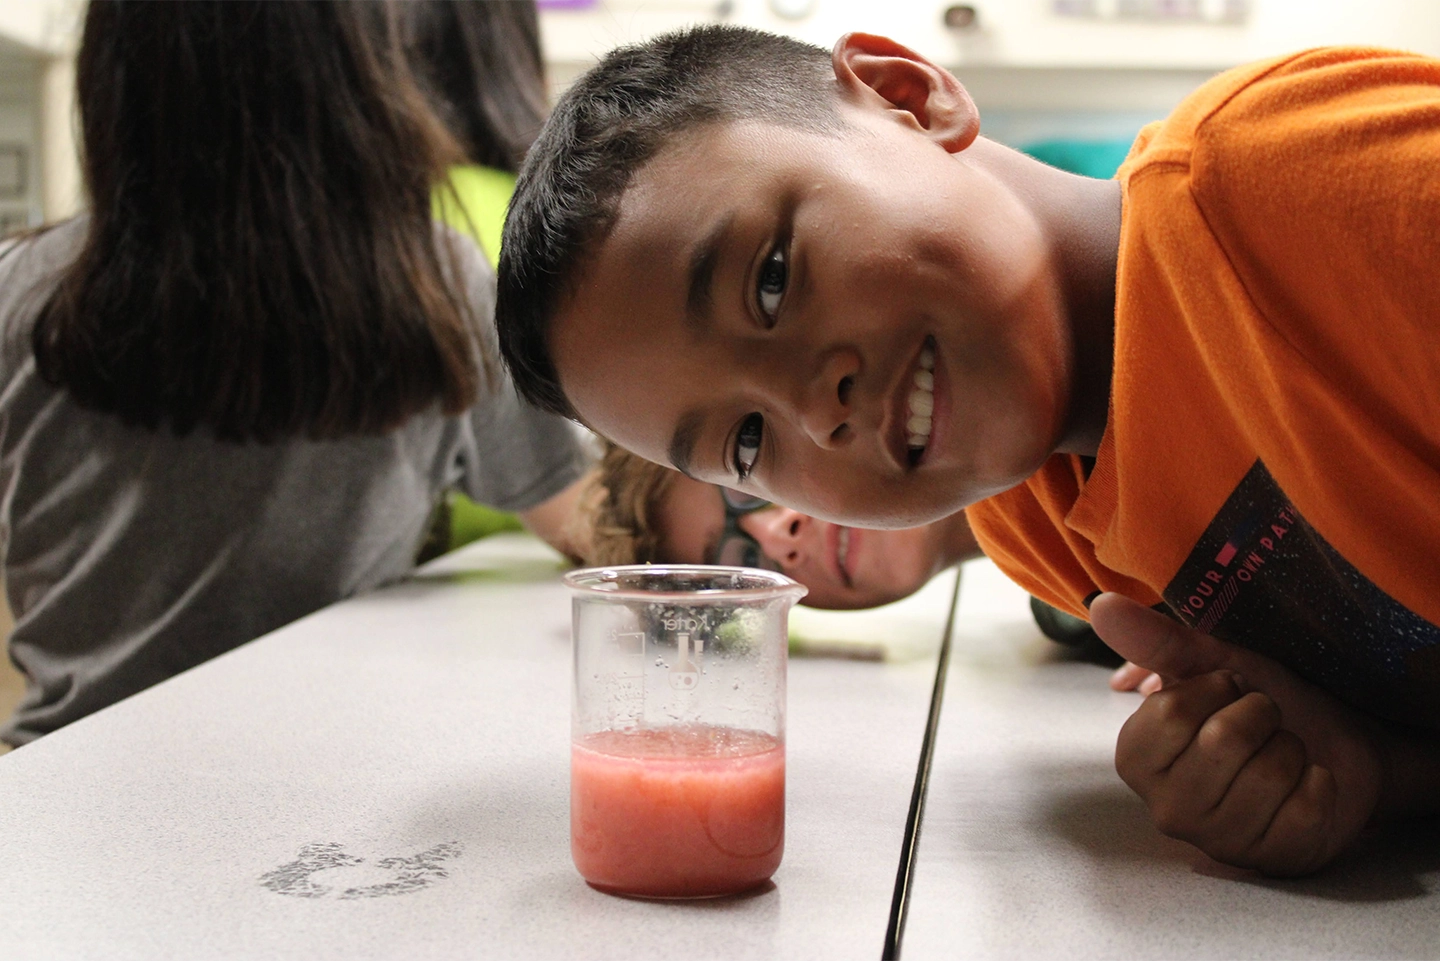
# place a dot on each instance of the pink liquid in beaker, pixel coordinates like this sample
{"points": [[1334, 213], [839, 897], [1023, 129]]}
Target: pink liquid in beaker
{"points": [[684, 812]]}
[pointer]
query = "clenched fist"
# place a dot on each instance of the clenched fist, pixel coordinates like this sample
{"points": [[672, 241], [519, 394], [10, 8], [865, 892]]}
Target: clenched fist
{"points": [[1237, 755]]}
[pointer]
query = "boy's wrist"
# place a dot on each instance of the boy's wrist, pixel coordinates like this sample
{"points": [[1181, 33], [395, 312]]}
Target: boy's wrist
{"points": [[1410, 782]]}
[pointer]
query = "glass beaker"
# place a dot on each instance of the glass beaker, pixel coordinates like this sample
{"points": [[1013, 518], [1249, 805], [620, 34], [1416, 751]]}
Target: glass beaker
{"points": [[677, 763]]}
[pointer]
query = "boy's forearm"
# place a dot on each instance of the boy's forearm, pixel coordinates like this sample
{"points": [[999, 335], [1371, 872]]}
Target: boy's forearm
{"points": [[1411, 787]]}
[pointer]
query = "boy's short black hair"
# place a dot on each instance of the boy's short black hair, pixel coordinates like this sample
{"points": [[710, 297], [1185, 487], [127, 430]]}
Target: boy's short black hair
{"points": [[604, 129]]}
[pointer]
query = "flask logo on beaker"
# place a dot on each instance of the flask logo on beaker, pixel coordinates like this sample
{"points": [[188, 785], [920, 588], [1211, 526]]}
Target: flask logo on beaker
{"points": [[686, 675]]}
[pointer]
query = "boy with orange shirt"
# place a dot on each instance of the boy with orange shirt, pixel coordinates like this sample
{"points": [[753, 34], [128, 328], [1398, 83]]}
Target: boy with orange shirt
{"points": [[1213, 382]]}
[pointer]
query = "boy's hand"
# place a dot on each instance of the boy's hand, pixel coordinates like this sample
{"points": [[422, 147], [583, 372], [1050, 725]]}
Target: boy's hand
{"points": [[1237, 755]]}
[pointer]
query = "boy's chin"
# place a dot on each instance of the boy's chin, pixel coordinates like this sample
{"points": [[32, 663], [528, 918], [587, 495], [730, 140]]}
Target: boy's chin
{"points": [[858, 600], [938, 497], [867, 518]]}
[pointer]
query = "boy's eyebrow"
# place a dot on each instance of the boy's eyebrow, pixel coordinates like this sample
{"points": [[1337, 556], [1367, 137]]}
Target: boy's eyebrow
{"points": [[682, 442], [703, 260]]}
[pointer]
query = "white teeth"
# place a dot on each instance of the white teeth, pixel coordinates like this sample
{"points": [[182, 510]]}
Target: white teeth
{"points": [[921, 402]]}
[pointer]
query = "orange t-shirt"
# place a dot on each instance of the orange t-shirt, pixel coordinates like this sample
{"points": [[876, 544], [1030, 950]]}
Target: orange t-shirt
{"points": [[1270, 469]]}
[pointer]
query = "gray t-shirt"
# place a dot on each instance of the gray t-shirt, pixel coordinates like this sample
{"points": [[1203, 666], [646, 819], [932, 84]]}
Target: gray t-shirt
{"points": [[132, 555]]}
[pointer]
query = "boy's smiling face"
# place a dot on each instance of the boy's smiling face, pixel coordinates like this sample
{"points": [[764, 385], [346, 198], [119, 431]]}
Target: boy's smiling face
{"points": [[758, 313]]}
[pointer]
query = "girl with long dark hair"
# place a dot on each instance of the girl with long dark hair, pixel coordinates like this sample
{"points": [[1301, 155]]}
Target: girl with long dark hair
{"points": [[231, 393]]}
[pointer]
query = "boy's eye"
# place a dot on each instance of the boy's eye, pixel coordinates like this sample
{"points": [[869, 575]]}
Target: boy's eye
{"points": [[770, 288], [747, 444]]}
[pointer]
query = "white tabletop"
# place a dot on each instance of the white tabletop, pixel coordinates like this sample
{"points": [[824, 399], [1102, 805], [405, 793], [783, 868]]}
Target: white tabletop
{"points": [[389, 778], [1033, 848]]}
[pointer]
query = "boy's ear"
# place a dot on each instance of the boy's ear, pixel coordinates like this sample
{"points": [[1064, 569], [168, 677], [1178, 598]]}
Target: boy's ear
{"points": [[868, 66]]}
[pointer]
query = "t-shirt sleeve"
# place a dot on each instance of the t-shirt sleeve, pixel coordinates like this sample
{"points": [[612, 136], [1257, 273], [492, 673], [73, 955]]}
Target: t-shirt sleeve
{"points": [[516, 456], [1024, 531], [30, 266], [520, 457], [511, 456], [1020, 534], [1321, 182]]}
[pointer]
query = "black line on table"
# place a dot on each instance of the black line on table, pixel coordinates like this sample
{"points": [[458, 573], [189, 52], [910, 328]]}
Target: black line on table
{"points": [[900, 903]]}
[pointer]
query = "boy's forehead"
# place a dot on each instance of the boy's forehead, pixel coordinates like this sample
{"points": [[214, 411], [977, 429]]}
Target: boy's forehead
{"points": [[704, 165], [681, 199], [626, 304]]}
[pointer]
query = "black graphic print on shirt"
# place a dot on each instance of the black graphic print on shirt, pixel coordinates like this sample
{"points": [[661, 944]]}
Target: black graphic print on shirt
{"points": [[1263, 578]]}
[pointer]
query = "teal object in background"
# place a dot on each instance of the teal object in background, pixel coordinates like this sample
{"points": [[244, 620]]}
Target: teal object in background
{"points": [[1093, 158]]}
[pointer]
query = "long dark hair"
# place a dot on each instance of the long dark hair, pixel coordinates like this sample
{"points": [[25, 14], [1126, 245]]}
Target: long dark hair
{"points": [[482, 67], [260, 258]]}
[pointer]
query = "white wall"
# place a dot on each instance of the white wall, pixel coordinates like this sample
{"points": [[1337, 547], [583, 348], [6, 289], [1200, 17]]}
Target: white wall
{"points": [[37, 103], [1029, 69], [18, 131], [1034, 74], [42, 26], [1027, 32], [1022, 32]]}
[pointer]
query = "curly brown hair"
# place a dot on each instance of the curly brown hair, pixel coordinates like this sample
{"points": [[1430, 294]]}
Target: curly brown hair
{"points": [[621, 502]]}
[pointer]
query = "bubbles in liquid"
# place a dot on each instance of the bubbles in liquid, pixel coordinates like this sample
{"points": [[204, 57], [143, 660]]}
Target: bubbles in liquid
{"points": [[685, 740]]}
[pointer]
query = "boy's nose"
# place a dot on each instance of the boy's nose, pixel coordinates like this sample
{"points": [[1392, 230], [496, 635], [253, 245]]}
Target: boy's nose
{"points": [[825, 409], [780, 532]]}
